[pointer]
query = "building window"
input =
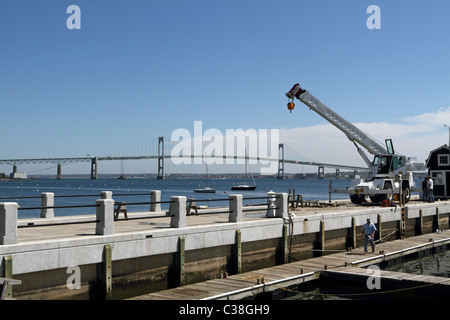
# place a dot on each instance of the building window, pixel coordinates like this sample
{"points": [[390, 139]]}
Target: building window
{"points": [[443, 160], [438, 177]]}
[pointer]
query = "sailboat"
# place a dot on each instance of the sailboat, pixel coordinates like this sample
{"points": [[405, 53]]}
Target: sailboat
{"points": [[245, 186], [206, 189], [122, 176]]}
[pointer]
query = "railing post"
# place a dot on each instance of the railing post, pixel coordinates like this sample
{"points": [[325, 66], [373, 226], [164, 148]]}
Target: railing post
{"points": [[271, 205], [106, 195], [281, 203], [236, 214], [47, 200], [155, 196], [8, 223], [178, 212], [105, 217]]}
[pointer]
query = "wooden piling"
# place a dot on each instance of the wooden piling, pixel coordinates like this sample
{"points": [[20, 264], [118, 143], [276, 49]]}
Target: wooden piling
{"points": [[420, 223], [321, 240], [379, 227], [436, 220], [237, 253], [181, 259], [107, 271], [285, 244], [8, 273]]}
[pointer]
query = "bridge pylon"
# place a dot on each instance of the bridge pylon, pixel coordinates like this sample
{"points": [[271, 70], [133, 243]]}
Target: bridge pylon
{"points": [[280, 174], [160, 158], [94, 168]]}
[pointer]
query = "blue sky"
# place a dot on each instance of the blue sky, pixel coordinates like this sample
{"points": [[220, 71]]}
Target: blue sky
{"points": [[140, 69]]}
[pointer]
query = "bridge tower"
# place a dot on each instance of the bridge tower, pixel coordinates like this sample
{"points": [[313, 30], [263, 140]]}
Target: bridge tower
{"points": [[280, 174], [321, 172], [94, 168], [58, 171], [160, 158]]}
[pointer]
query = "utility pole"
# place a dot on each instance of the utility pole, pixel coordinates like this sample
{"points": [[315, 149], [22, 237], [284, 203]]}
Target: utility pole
{"points": [[448, 134]]}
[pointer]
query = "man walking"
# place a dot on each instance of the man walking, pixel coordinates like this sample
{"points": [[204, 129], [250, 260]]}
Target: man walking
{"points": [[368, 234]]}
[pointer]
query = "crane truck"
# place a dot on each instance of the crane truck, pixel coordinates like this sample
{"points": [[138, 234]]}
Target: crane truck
{"points": [[390, 173]]}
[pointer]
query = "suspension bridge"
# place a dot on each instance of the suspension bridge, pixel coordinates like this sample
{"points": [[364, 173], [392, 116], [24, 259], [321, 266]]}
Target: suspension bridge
{"points": [[162, 149]]}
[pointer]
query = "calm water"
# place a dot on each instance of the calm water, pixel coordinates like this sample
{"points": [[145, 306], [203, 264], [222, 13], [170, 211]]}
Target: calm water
{"points": [[432, 265], [310, 189]]}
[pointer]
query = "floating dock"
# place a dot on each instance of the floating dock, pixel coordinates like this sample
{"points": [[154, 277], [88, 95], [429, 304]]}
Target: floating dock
{"points": [[343, 266]]}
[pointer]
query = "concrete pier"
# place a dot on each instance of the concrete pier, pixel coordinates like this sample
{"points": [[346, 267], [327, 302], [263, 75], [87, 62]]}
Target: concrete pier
{"points": [[145, 247]]}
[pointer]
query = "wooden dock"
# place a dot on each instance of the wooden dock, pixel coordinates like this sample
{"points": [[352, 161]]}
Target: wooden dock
{"points": [[249, 284]]}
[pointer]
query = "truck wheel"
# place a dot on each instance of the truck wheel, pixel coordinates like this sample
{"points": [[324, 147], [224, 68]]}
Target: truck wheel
{"points": [[375, 199], [407, 193], [357, 198]]}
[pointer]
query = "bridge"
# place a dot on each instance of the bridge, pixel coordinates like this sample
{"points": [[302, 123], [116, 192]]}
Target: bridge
{"points": [[286, 155]]}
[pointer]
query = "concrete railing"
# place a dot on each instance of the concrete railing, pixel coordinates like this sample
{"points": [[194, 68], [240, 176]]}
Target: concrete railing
{"points": [[277, 208]]}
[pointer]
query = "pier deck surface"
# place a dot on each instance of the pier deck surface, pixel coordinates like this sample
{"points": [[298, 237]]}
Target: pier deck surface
{"points": [[246, 284], [53, 228]]}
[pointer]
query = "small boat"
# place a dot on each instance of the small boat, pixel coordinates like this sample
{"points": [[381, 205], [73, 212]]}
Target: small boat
{"points": [[243, 187], [205, 190], [122, 176]]}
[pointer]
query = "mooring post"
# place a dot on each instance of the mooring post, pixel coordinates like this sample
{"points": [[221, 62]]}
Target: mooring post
{"points": [[178, 212], [8, 223], [47, 200], [8, 273], [155, 196], [237, 252], [105, 217], [107, 271], [235, 208]]}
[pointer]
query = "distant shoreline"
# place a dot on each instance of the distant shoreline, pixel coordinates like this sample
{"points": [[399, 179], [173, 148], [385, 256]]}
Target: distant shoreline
{"points": [[175, 176]]}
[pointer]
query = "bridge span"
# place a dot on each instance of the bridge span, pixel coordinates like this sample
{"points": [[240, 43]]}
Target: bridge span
{"points": [[161, 155]]}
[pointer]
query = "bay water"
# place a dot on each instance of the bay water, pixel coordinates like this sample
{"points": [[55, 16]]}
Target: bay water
{"points": [[85, 191]]}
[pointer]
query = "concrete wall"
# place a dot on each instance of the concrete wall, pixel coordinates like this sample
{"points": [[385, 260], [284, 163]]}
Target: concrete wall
{"points": [[146, 261]]}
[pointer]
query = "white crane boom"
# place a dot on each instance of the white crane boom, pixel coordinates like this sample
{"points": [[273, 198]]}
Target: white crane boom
{"points": [[352, 132]]}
